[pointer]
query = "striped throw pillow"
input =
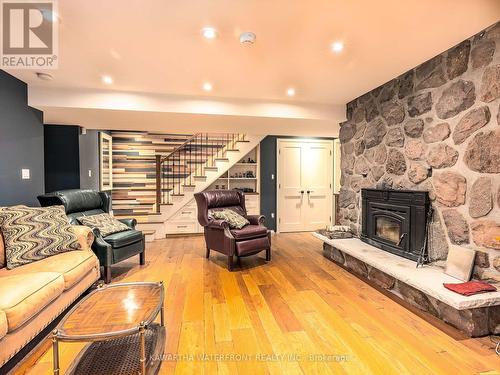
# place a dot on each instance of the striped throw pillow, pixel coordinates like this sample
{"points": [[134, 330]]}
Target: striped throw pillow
{"points": [[34, 233], [106, 224]]}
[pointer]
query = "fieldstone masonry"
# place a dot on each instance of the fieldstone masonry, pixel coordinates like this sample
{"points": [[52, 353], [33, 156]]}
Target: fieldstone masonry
{"points": [[435, 128]]}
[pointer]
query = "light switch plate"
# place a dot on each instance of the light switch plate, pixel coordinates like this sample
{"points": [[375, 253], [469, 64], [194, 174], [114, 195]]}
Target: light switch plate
{"points": [[25, 174]]}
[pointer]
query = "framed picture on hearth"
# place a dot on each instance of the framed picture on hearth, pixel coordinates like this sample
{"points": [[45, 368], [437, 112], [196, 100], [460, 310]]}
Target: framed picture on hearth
{"points": [[460, 262]]}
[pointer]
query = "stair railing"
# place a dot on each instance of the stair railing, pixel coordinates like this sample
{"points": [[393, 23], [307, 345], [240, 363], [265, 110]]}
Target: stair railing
{"points": [[184, 164]]}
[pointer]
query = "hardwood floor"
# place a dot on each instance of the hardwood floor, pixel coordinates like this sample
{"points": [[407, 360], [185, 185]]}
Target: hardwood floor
{"points": [[300, 314]]}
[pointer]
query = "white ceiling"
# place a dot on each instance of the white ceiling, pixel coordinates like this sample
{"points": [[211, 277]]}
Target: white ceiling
{"points": [[155, 46]]}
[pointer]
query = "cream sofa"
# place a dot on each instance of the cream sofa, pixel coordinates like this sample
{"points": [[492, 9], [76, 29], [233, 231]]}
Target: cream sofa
{"points": [[33, 295]]}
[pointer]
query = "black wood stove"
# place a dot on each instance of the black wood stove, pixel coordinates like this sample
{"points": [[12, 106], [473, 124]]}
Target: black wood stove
{"points": [[396, 221]]}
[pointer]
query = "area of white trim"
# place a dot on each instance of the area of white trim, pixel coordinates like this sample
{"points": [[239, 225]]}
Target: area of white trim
{"points": [[107, 109]]}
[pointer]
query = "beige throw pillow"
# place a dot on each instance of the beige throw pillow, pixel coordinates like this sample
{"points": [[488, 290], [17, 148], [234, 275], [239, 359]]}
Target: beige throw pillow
{"points": [[106, 224], [234, 219], [34, 233]]}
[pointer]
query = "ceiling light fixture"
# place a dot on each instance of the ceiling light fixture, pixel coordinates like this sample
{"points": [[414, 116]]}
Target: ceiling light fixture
{"points": [[290, 91], [44, 76], [247, 37], [337, 46], [209, 33], [108, 80], [207, 86], [50, 16]]}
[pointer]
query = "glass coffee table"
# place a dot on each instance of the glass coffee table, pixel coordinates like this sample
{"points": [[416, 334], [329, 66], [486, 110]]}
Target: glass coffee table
{"points": [[118, 321]]}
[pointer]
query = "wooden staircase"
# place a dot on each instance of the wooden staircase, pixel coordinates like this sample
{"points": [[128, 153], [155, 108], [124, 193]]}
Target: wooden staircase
{"points": [[159, 184]]}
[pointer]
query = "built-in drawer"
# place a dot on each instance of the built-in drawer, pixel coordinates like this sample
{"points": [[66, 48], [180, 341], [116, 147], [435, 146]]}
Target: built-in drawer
{"points": [[174, 227], [187, 213]]}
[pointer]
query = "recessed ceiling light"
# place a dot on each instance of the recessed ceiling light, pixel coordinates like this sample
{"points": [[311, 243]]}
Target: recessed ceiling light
{"points": [[108, 80], [290, 91], [207, 86], [44, 76], [209, 33], [55, 17], [337, 46], [50, 16]]}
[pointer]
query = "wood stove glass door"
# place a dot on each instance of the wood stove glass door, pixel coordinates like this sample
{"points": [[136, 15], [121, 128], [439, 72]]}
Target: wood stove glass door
{"points": [[388, 229]]}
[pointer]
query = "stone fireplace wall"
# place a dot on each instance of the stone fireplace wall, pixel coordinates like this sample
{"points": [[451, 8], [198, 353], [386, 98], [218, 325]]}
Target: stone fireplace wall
{"points": [[434, 128]]}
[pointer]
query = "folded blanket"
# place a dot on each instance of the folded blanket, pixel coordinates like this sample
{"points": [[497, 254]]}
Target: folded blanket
{"points": [[470, 288]]}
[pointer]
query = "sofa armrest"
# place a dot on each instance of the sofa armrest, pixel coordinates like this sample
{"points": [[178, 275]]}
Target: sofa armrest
{"points": [[256, 219], [131, 223], [221, 225], [99, 240], [85, 236], [102, 249], [218, 224]]}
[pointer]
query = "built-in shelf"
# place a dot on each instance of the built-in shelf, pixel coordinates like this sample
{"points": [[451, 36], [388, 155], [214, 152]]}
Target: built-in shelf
{"points": [[226, 182]]}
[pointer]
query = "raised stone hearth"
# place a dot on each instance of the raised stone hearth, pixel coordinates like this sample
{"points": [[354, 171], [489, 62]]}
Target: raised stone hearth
{"points": [[435, 128], [423, 288]]}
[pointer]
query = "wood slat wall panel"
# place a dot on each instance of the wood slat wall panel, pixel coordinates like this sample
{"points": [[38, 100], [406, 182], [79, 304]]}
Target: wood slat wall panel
{"points": [[134, 169]]}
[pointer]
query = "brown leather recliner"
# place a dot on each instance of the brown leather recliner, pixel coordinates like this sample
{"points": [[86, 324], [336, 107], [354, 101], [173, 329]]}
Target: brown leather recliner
{"points": [[249, 240]]}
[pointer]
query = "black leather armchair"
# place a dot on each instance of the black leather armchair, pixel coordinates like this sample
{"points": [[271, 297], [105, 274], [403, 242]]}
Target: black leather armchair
{"points": [[110, 249]]}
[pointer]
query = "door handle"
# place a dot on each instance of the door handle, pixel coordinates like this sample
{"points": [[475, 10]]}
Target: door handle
{"points": [[302, 192], [310, 191]]}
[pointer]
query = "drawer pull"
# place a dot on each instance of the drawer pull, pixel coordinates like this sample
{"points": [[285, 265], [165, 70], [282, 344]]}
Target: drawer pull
{"points": [[182, 226], [186, 212]]}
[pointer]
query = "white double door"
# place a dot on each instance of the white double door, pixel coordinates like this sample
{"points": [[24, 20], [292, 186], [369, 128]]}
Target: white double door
{"points": [[305, 173]]}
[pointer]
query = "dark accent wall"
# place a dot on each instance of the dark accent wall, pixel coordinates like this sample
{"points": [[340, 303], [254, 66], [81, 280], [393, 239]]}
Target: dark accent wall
{"points": [[268, 160], [21, 144], [89, 160], [62, 159]]}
